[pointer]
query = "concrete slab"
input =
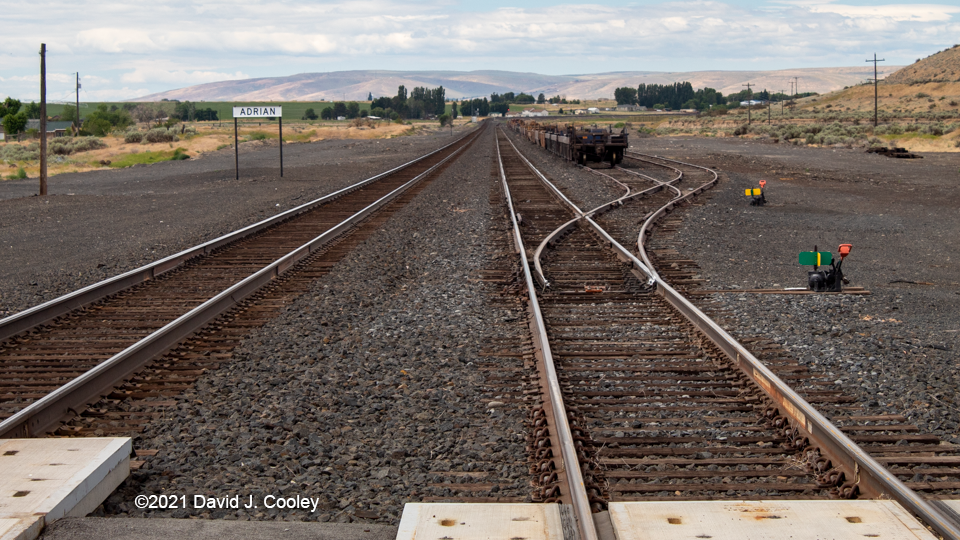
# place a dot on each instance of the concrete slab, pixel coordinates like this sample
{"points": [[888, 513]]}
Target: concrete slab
{"points": [[423, 521], [765, 520], [209, 529], [42, 480]]}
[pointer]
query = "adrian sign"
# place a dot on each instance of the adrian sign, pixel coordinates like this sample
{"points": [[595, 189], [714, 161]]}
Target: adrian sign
{"points": [[257, 112]]}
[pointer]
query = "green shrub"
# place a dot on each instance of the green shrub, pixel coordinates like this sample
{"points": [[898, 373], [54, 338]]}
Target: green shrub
{"points": [[19, 175], [133, 137], [179, 154]]}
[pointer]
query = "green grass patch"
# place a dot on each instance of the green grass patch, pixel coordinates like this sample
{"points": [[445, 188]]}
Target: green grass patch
{"points": [[130, 160], [258, 136], [19, 175]]}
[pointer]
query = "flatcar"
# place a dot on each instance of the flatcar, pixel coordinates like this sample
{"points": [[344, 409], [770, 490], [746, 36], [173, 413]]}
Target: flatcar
{"points": [[576, 144]]}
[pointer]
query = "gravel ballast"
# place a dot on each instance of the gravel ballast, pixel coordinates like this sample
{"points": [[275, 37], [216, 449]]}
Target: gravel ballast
{"points": [[99, 224], [365, 392]]}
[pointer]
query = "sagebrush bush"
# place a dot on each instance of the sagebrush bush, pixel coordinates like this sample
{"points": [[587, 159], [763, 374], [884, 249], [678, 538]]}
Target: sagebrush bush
{"points": [[133, 137], [64, 146], [16, 152], [160, 135]]}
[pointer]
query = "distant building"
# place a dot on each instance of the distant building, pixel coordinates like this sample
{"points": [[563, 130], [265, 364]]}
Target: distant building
{"points": [[593, 110], [54, 128], [534, 112], [752, 102], [511, 115], [341, 118], [495, 115], [628, 108]]}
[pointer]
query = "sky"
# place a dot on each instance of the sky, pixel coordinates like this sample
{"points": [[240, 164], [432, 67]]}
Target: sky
{"points": [[132, 48]]}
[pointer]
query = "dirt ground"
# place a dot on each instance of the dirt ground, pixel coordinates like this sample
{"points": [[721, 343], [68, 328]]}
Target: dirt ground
{"points": [[900, 215]]}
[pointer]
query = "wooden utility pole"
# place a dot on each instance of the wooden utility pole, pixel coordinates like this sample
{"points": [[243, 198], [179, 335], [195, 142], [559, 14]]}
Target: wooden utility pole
{"points": [[749, 99], [43, 119], [78, 103], [782, 95], [875, 91], [796, 86]]}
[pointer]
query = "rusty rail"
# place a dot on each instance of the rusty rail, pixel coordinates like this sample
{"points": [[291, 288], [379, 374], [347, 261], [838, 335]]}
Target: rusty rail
{"points": [[44, 413]]}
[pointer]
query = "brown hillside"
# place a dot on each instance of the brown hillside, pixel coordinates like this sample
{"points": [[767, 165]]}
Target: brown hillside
{"points": [[943, 66]]}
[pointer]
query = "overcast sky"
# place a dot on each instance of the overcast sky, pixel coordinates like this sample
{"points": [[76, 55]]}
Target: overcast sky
{"points": [[135, 47]]}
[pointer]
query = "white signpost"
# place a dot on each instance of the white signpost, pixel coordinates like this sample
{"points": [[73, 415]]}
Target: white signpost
{"points": [[255, 112]]}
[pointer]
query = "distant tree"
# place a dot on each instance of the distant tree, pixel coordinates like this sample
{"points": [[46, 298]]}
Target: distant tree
{"points": [[541, 99], [561, 111], [9, 106], [378, 112], [310, 114], [142, 113], [625, 95], [453, 109], [445, 120], [32, 110], [369, 96], [326, 113], [207, 115], [364, 113], [502, 108], [14, 123], [353, 110], [102, 121], [339, 109], [524, 98]]}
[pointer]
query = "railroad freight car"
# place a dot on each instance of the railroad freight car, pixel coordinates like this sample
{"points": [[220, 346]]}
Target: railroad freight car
{"points": [[575, 144]]}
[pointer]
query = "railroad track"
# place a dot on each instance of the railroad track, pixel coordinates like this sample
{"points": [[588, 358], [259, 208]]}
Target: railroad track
{"points": [[657, 402], [89, 346]]}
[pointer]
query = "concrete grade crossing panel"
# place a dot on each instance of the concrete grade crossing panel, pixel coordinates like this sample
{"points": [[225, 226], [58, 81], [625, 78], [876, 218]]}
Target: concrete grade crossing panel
{"points": [[422, 521], [42, 480], [765, 520]]}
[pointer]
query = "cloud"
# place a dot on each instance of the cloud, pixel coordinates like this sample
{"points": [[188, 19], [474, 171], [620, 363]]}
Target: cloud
{"points": [[156, 45]]}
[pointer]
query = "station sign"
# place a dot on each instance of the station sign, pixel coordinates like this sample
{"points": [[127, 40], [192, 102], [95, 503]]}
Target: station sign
{"points": [[268, 111], [257, 112]]}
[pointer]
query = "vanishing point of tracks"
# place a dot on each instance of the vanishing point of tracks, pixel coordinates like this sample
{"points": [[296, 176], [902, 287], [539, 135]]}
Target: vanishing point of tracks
{"points": [[658, 402]]}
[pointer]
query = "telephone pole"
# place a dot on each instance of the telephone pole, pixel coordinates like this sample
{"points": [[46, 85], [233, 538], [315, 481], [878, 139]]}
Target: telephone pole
{"points": [[782, 95], [875, 91], [43, 119], [78, 103], [749, 99], [796, 86]]}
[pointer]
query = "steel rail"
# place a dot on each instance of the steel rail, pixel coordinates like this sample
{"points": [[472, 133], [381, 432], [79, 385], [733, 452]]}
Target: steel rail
{"points": [[871, 477], [37, 315], [571, 465], [637, 267], [48, 411]]}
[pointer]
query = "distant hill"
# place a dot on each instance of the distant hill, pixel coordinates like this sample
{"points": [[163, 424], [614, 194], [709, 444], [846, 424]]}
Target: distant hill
{"points": [[356, 85], [943, 66]]}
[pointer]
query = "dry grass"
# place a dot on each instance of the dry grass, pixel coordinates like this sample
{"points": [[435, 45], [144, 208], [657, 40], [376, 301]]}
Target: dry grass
{"points": [[209, 138]]}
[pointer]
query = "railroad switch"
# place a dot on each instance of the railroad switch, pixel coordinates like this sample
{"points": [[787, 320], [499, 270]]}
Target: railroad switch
{"points": [[757, 193], [830, 280]]}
